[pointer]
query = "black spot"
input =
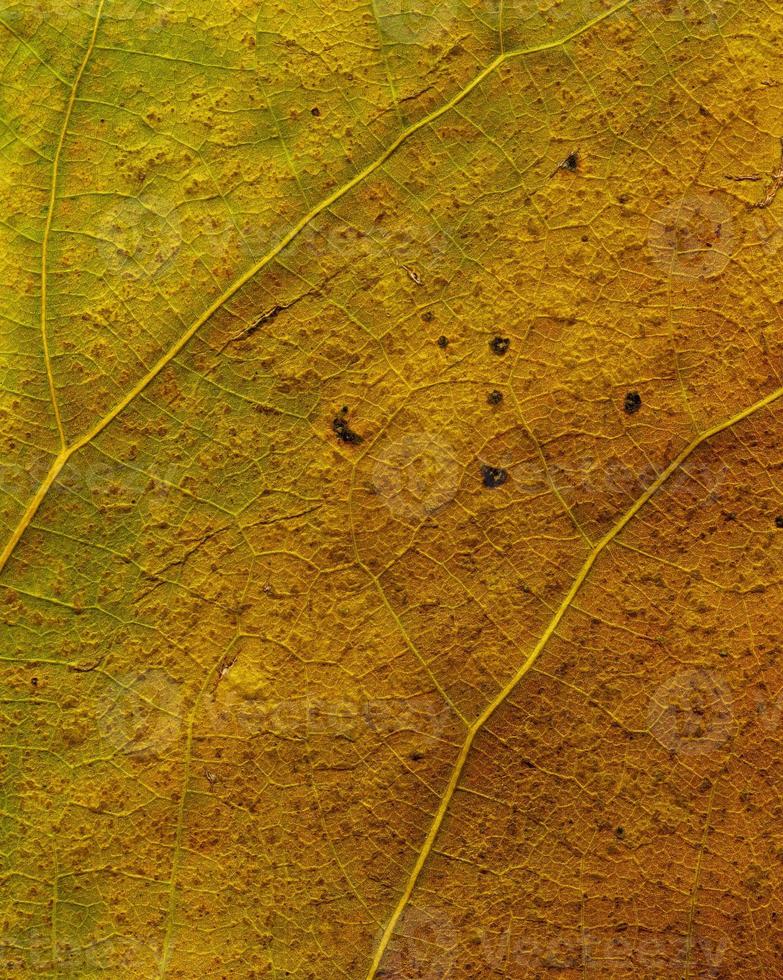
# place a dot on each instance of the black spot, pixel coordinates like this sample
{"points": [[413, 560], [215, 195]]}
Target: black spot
{"points": [[499, 345], [428, 316], [443, 342], [495, 397], [493, 476], [315, 111], [571, 162], [633, 402], [417, 756], [779, 520], [620, 832], [34, 681], [343, 431]]}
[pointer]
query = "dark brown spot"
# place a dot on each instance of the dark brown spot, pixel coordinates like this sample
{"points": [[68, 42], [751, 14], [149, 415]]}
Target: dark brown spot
{"points": [[495, 397], [343, 431], [779, 520], [633, 402], [499, 345], [443, 342], [315, 111], [428, 316], [493, 476], [571, 162]]}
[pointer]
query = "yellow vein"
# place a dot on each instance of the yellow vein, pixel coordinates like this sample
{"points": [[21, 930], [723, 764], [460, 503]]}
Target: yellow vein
{"points": [[50, 215], [68, 450], [534, 654]]}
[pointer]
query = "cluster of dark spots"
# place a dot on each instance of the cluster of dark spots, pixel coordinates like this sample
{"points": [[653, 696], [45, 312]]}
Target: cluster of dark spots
{"points": [[632, 403], [442, 342], [315, 111], [779, 520], [495, 397], [493, 476], [343, 431], [499, 345]]}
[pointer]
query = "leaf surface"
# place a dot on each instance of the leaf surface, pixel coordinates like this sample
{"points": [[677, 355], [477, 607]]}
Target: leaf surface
{"points": [[390, 489]]}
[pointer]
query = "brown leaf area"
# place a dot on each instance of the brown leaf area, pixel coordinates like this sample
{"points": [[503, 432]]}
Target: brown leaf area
{"points": [[392, 494]]}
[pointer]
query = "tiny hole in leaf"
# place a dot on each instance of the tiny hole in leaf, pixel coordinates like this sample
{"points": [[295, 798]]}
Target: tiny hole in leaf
{"points": [[499, 345], [493, 476], [633, 402]]}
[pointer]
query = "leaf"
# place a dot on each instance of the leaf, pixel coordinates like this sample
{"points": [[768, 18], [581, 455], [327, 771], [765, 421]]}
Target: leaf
{"points": [[391, 489]]}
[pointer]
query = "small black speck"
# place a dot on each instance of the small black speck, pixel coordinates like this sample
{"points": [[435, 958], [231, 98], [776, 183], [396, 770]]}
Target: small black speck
{"points": [[343, 431], [34, 681], [779, 520], [620, 832], [443, 342], [571, 162], [428, 316], [499, 345], [417, 756], [495, 397], [633, 402], [585, 238], [493, 476], [315, 111]]}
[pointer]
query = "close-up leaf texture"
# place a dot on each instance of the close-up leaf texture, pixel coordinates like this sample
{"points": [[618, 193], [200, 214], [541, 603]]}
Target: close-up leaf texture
{"points": [[391, 489]]}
